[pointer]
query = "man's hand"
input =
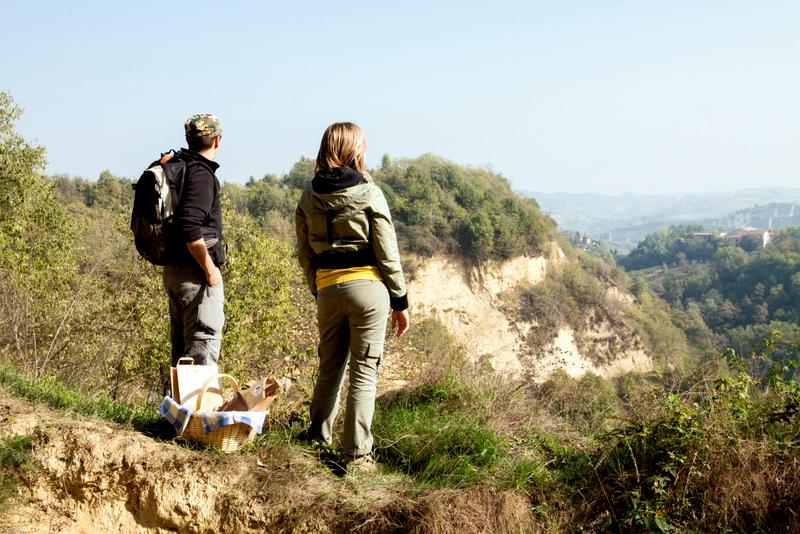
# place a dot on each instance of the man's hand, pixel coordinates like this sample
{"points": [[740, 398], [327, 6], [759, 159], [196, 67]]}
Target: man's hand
{"points": [[400, 319], [213, 277], [200, 253]]}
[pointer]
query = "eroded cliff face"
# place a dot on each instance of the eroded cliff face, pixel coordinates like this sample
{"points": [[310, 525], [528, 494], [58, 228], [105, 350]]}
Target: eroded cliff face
{"points": [[472, 302]]}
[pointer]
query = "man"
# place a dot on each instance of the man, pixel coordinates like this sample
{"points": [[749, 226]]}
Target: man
{"points": [[194, 283]]}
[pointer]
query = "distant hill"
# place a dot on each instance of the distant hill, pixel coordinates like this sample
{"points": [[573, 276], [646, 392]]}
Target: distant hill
{"points": [[624, 220], [774, 215]]}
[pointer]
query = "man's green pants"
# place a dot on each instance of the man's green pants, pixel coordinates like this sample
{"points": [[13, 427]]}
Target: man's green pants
{"points": [[352, 326]]}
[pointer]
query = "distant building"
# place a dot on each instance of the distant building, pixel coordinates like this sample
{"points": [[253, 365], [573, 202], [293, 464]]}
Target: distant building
{"points": [[738, 235]]}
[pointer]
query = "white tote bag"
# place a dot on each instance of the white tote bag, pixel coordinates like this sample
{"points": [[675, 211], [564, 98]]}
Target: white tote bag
{"points": [[187, 379]]}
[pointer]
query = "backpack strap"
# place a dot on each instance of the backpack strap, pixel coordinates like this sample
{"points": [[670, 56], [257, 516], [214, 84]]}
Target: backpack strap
{"points": [[174, 168]]}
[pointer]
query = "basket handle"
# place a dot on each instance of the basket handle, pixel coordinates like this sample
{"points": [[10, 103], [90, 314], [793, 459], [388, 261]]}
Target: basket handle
{"points": [[184, 358], [234, 383]]}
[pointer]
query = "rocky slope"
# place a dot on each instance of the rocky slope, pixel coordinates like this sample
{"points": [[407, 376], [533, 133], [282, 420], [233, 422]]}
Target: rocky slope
{"points": [[472, 301]]}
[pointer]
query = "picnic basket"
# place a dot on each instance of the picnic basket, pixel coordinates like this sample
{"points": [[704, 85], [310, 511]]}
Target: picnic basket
{"points": [[227, 438]]}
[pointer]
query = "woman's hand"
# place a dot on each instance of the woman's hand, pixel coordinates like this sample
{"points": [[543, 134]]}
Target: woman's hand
{"points": [[400, 318]]}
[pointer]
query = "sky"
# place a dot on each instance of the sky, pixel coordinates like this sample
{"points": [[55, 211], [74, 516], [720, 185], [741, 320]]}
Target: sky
{"points": [[598, 96]]}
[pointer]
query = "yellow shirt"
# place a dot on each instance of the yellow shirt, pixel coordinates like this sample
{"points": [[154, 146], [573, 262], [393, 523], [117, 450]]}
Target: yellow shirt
{"points": [[329, 277]]}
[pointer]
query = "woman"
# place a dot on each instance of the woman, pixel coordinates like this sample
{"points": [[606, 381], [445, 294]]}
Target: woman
{"points": [[348, 250]]}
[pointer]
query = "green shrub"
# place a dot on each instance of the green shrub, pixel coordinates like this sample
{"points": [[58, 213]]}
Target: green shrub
{"points": [[37, 262], [15, 458], [709, 460], [264, 289]]}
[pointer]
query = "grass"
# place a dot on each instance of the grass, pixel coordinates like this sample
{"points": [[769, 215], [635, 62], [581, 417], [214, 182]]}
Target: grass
{"points": [[439, 435], [53, 393], [718, 455], [15, 458], [420, 437]]}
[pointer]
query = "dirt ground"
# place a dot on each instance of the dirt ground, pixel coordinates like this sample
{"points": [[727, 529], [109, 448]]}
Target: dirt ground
{"points": [[93, 476]]}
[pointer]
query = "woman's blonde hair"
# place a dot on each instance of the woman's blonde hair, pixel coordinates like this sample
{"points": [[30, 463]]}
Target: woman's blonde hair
{"points": [[343, 145]]}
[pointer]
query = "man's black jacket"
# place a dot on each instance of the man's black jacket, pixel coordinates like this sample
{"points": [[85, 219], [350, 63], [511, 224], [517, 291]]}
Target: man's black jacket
{"points": [[199, 212]]}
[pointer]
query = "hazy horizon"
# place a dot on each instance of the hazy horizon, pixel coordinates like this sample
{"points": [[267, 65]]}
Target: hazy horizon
{"points": [[641, 98], [672, 194]]}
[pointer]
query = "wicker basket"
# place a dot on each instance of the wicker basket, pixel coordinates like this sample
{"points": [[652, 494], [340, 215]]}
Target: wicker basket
{"points": [[227, 438]]}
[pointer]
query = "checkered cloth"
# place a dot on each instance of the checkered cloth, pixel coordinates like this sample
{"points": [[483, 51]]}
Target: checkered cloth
{"points": [[179, 416], [215, 420], [176, 414]]}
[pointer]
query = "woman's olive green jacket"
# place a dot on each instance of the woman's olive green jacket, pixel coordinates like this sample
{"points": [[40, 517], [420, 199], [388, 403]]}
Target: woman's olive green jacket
{"points": [[349, 227]]}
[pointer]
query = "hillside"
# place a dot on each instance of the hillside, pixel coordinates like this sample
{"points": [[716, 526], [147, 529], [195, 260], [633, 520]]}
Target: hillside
{"points": [[741, 289], [482, 295], [610, 411], [478, 256]]}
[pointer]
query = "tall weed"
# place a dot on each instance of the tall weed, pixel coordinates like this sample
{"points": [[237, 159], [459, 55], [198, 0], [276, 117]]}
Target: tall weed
{"points": [[722, 458]]}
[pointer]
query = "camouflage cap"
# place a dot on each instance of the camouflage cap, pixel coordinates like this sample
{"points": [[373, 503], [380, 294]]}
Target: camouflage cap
{"points": [[201, 125]]}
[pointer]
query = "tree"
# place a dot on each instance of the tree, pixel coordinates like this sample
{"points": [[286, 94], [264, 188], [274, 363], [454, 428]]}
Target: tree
{"points": [[478, 237], [112, 192], [751, 243], [36, 258], [301, 174], [442, 207]]}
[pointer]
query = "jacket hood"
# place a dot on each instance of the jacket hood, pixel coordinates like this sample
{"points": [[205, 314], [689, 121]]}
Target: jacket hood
{"points": [[341, 186], [336, 179]]}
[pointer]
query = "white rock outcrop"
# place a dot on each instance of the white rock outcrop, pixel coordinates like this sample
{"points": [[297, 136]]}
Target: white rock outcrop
{"points": [[469, 300]]}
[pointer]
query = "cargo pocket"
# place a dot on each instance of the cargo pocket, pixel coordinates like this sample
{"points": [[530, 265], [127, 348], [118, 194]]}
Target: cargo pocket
{"points": [[210, 311], [373, 356]]}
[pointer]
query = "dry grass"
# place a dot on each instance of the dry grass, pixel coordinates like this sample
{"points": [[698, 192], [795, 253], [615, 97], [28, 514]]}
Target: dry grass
{"points": [[750, 483], [479, 510]]}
